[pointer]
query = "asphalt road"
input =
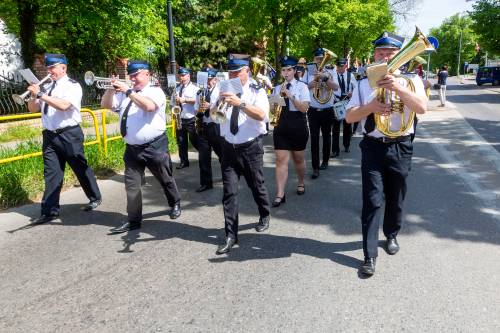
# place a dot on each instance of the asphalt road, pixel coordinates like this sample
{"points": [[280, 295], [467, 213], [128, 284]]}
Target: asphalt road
{"points": [[300, 276]]}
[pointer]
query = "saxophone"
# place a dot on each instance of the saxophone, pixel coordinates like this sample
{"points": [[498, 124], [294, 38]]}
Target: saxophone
{"points": [[199, 113], [176, 112], [275, 111]]}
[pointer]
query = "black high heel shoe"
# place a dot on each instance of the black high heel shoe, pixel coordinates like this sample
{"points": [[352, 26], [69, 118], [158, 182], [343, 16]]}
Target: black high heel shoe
{"points": [[277, 203]]}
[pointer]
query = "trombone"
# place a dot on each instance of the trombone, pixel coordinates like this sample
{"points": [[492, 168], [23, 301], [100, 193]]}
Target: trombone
{"points": [[102, 82], [24, 97]]}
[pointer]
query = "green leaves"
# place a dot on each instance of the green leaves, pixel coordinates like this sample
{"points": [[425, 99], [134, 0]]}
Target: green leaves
{"points": [[485, 23]]}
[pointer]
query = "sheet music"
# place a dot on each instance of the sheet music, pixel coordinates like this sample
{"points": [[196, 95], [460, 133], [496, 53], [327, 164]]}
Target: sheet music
{"points": [[222, 76], [28, 75], [171, 81], [234, 86], [201, 79], [277, 99]]}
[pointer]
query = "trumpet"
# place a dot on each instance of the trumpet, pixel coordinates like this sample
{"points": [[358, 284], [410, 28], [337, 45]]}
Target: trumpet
{"points": [[218, 113], [24, 97], [102, 82]]}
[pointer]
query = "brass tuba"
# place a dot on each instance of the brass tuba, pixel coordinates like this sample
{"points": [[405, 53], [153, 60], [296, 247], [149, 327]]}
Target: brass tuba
{"points": [[417, 45], [322, 93]]}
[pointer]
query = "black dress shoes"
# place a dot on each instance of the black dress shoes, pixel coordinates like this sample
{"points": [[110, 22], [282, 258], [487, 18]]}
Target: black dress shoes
{"points": [[368, 267], [323, 166], [263, 224], [278, 201], [45, 218], [227, 246], [182, 166], [203, 188], [392, 246], [175, 212], [92, 205], [335, 154], [347, 149], [315, 174], [127, 226]]}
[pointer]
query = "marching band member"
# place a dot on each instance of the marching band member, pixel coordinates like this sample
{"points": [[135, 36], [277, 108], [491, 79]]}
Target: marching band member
{"points": [[347, 83], [385, 161], [62, 137], [291, 133], [186, 97], [320, 115], [242, 148], [142, 125], [210, 132]]}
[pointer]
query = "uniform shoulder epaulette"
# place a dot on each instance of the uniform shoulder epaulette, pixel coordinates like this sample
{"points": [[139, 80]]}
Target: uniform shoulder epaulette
{"points": [[72, 81], [255, 86]]}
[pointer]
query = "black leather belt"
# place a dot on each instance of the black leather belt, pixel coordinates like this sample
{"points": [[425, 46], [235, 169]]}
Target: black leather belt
{"points": [[321, 110], [385, 139], [244, 144], [64, 129]]}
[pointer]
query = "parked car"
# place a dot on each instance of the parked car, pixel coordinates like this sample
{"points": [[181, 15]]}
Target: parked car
{"points": [[488, 75]]}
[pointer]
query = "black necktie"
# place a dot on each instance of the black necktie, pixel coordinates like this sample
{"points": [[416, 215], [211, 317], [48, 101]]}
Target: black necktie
{"points": [[342, 85], [46, 106], [233, 125], [208, 94], [123, 122], [287, 100], [180, 95]]}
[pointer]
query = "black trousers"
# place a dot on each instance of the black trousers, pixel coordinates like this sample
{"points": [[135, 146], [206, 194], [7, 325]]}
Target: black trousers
{"points": [[320, 120], [384, 168], [346, 135], [57, 149], [209, 140], [246, 160], [187, 130], [155, 157]]}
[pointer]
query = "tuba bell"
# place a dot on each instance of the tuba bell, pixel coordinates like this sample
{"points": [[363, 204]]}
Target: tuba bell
{"points": [[417, 45], [322, 93]]}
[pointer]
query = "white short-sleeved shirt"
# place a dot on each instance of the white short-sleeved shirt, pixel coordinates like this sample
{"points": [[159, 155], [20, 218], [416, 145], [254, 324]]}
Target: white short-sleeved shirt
{"points": [[248, 128], [364, 94], [352, 83], [299, 91], [143, 126], [214, 96], [314, 103], [68, 90], [189, 91]]}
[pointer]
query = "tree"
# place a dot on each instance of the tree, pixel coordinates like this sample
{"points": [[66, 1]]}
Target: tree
{"points": [[486, 18], [448, 35]]}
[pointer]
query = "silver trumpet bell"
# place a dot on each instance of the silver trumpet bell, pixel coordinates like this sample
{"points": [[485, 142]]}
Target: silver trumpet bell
{"points": [[101, 82], [24, 97], [218, 113]]}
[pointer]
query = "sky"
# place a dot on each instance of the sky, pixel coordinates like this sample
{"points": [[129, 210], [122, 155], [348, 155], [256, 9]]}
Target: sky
{"points": [[430, 14]]}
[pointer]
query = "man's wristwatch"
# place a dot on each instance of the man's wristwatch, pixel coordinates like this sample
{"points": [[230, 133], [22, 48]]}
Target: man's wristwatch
{"points": [[39, 94], [243, 105], [129, 92]]}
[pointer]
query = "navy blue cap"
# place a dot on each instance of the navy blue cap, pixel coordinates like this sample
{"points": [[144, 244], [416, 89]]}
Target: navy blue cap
{"points": [[319, 52], [135, 66], [341, 61], [211, 72], [235, 62], [287, 61], [52, 59], [389, 41], [183, 70]]}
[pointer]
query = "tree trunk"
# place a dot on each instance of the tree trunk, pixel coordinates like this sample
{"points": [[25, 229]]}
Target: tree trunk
{"points": [[27, 12]]}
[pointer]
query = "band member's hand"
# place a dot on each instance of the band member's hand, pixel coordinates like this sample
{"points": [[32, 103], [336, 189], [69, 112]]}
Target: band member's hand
{"points": [[180, 100], [380, 108], [314, 84], [205, 105], [231, 98], [389, 82], [119, 86], [34, 89], [349, 94], [318, 76], [286, 93]]}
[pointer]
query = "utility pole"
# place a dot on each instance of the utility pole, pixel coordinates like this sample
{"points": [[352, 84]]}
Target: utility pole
{"points": [[171, 37]]}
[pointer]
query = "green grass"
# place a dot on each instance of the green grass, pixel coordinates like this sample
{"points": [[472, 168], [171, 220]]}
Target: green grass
{"points": [[22, 181], [110, 119], [22, 132]]}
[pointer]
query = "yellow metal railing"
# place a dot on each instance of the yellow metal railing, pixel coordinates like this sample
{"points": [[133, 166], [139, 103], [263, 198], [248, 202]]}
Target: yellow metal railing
{"points": [[39, 115], [102, 144]]}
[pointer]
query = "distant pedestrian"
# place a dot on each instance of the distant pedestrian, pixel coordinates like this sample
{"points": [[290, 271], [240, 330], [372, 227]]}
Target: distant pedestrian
{"points": [[442, 76]]}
